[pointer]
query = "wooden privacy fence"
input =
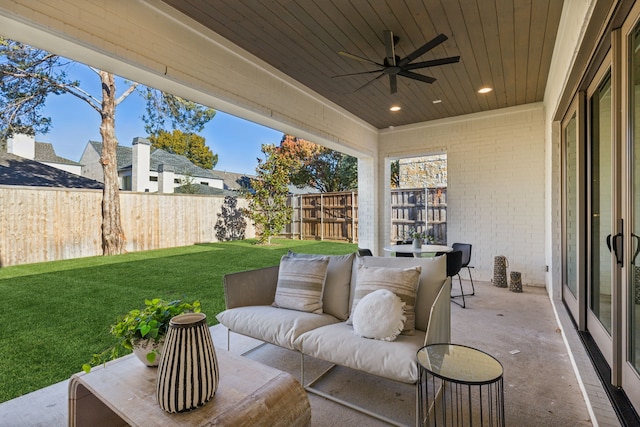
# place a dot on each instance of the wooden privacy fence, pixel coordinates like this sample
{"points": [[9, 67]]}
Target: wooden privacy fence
{"points": [[334, 216], [48, 224], [422, 209], [324, 216]]}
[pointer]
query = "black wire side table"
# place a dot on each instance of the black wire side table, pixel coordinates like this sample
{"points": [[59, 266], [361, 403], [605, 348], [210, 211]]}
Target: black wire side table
{"points": [[459, 386]]}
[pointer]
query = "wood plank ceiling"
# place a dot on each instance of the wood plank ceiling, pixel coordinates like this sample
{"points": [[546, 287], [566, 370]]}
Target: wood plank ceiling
{"points": [[504, 44]]}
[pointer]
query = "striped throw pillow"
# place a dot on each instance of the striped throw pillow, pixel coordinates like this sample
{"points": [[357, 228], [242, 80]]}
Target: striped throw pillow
{"points": [[401, 281], [301, 283]]}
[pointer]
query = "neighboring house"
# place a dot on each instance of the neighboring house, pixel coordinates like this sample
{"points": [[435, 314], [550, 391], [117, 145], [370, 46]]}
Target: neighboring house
{"points": [[143, 169], [26, 146], [203, 189], [241, 182], [17, 170], [234, 181]]}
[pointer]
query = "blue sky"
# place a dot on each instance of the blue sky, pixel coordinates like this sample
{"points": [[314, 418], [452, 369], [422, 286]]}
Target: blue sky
{"points": [[236, 141]]}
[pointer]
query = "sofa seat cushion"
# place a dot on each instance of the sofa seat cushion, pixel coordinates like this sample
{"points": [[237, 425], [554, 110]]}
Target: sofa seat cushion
{"points": [[337, 343], [274, 325]]}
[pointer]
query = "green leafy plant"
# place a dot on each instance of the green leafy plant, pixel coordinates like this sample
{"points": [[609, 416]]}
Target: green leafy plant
{"points": [[150, 322], [415, 234], [268, 201]]}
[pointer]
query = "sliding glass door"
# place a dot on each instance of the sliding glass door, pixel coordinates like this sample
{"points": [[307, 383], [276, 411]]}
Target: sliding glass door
{"points": [[631, 219], [571, 212], [602, 266]]}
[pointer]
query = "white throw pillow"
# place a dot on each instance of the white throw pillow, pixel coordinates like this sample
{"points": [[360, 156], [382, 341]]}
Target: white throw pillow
{"points": [[379, 315], [403, 282]]}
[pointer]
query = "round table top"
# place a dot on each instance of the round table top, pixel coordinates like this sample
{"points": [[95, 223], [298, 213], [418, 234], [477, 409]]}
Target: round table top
{"points": [[425, 249], [460, 364]]}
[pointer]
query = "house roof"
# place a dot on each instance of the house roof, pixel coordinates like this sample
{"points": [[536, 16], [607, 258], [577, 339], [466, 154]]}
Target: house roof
{"points": [[44, 152], [181, 164], [207, 190], [16, 170], [233, 180]]}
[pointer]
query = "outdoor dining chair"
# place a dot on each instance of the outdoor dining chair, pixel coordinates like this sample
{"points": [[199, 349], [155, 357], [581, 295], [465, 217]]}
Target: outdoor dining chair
{"points": [[364, 252], [466, 259], [404, 254], [454, 264]]}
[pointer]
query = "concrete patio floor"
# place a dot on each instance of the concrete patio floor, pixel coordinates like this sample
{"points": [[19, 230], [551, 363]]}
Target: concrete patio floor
{"points": [[522, 330]]}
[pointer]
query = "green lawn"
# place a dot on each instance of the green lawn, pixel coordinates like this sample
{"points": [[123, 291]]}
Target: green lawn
{"points": [[55, 315]]}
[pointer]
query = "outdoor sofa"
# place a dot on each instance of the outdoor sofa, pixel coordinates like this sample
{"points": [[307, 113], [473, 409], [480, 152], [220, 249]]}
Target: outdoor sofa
{"points": [[323, 330]]}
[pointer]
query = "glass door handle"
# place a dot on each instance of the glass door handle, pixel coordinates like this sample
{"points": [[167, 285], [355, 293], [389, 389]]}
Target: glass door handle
{"points": [[613, 242], [635, 254]]}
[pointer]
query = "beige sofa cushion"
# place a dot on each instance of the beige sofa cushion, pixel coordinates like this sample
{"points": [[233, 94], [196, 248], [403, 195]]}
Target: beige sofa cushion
{"points": [[433, 275], [337, 287], [401, 281], [301, 283], [338, 344], [277, 326]]}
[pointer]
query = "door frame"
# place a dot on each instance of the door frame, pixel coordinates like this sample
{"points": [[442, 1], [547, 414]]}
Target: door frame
{"points": [[574, 302], [606, 342]]}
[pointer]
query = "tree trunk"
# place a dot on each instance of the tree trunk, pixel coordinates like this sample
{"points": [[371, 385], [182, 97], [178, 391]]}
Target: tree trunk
{"points": [[113, 238]]}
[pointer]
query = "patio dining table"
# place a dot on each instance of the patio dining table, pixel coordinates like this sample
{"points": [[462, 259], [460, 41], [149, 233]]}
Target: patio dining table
{"points": [[417, 252]]}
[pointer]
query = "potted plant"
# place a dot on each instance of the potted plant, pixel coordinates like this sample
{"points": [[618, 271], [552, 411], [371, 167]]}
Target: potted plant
{"points": [[143, 331], [416, 237]]}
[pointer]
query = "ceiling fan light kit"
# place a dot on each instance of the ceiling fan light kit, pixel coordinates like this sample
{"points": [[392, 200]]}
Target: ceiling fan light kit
{"points": [[394, 66]]}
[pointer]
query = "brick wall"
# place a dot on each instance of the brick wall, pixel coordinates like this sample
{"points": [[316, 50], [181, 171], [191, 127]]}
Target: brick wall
{"points": [[495, 183]]}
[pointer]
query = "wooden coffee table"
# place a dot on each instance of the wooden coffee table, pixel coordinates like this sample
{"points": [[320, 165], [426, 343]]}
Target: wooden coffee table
{"points": [[249, 393]]}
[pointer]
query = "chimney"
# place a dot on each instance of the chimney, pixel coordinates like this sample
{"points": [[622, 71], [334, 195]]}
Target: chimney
{"points": [[22, 145], [140, 164], [166, 175]]}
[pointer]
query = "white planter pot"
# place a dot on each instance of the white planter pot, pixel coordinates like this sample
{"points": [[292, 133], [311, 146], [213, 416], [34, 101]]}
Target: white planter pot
{"points": [[143, 347]]}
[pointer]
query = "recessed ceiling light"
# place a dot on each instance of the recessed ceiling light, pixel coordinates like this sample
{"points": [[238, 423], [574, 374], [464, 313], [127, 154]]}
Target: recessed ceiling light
{"points": [[437, 101], [485, 89], [395, 108]]}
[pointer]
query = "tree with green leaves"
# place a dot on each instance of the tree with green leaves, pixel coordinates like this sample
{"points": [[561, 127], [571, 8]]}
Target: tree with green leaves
{"points": [[319, 167], [268, 202], [29, 75], [395, 174], [190, 145]]}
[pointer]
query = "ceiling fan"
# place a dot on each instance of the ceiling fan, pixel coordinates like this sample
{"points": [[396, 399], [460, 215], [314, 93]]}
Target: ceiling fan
{"points": [[393, 66]]}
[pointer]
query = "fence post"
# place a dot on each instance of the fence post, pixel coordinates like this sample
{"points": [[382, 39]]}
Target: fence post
{"points": [[321, 217], [353, 218], [301, 221]]}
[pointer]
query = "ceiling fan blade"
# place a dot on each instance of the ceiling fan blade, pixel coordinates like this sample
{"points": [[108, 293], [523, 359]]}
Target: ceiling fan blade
{"points": [[432, 63], [393, 83], [368, 83], [417, 76], [389, 44], [356, 74], [359, 58], [440, 38]]}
